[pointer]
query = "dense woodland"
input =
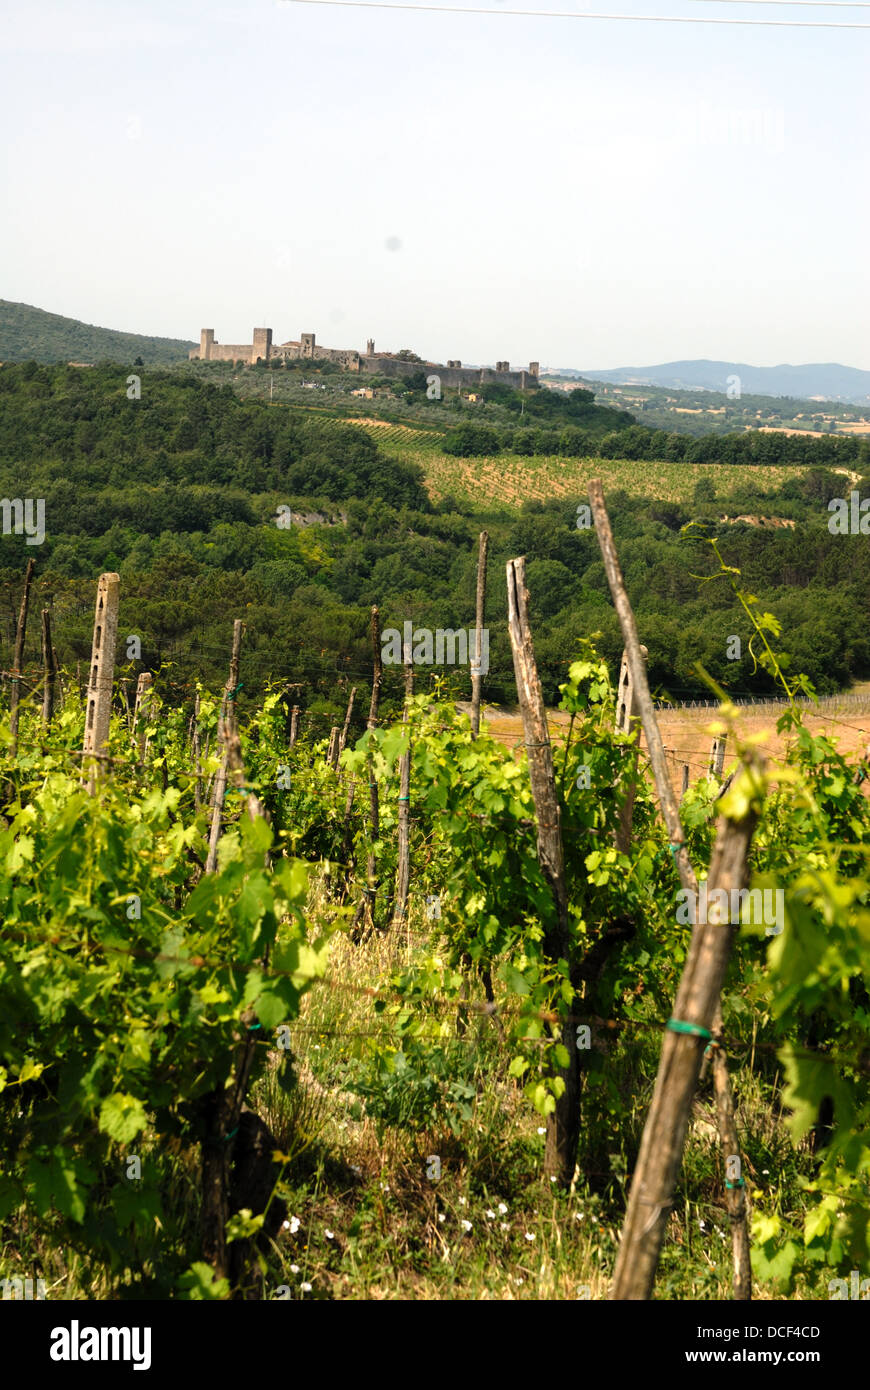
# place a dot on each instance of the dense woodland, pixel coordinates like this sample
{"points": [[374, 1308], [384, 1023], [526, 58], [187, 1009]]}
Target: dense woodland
{"points": [[179, 492]]}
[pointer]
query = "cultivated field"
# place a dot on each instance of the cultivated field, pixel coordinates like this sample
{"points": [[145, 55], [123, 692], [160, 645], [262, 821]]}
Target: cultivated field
{"points": [[507, 481]]}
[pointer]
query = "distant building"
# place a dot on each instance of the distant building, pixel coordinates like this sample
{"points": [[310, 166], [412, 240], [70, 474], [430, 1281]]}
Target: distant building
{"points": [[262, 349]]}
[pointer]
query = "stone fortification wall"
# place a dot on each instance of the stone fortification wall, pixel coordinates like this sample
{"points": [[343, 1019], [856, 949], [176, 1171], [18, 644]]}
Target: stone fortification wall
{"points": [[373, 363], [382, 364]]}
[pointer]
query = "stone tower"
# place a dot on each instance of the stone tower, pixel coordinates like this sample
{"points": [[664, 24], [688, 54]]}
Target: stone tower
{"points": [[206, 338], [370, 347], [306, 344], [262, 344], [534, 368]]}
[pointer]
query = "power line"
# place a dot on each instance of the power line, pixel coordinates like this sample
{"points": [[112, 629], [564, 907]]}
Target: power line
{"points": [[818, 4], [566, 14]]}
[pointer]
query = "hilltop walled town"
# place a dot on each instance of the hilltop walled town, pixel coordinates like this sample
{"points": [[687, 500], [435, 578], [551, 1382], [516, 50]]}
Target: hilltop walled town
{"points": [[262, 349]]}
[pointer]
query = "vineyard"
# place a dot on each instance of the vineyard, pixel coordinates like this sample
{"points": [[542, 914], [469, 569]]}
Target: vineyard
{"points": [[479, 484], [379, 1014]]}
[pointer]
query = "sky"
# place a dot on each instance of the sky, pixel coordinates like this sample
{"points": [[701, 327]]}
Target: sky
{"points": [[584, 192]]}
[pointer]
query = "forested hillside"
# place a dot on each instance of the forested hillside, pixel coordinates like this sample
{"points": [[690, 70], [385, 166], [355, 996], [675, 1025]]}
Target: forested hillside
{"points": [[180, 492], [28, 333]]}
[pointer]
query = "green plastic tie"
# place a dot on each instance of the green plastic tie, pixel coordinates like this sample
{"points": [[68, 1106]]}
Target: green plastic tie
{"points": [[404, 798], [693, 1030], [679, 844], [228, 1137], [231, 694], [252, 1026], [738, 1182]]}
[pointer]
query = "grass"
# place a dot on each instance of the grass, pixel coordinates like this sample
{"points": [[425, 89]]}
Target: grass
{"points": [[370, 1216], [373, 1225]]}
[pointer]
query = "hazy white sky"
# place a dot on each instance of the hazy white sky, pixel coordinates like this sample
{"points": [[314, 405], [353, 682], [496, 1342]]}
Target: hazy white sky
{"points": [[589, 193]]}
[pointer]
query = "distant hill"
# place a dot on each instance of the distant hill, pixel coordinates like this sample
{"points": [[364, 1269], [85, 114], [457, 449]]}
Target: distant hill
{"points": [[829, 380], [28, 333]]}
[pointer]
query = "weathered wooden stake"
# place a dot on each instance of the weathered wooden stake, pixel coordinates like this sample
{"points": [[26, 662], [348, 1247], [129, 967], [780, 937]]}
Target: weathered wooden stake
{"points": [[294, 725], [332, 751], [343, 738], [627, 721], [60, 683], [697, 1002], [563, 1125], [18, 659], [685, 783], [98, 710], [229, 731], [197, 757], [403, 867], [367, 901], [717, 756], [476, 674], [142, 710], [735, 1190], [48, 669]]}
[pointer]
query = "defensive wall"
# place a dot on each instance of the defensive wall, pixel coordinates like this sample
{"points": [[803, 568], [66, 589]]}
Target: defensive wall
{"points": [[388, 364]]}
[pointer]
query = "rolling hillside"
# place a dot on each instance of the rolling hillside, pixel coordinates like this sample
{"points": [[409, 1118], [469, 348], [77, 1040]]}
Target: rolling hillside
{"points": [[29, 333], [829, 380]]}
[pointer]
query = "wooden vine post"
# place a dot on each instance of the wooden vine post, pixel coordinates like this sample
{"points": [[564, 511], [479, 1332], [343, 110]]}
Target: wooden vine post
{"points": [[228, 728], [18, 659], [367, 901], [98, 709], [196, 754], [403, 867], [563, 1124], [696, 1012], [342, 742], [717, 756], [476, 673], [48, 669], [627, 721], [332, 751], [142, 709], [235, 1135]]}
